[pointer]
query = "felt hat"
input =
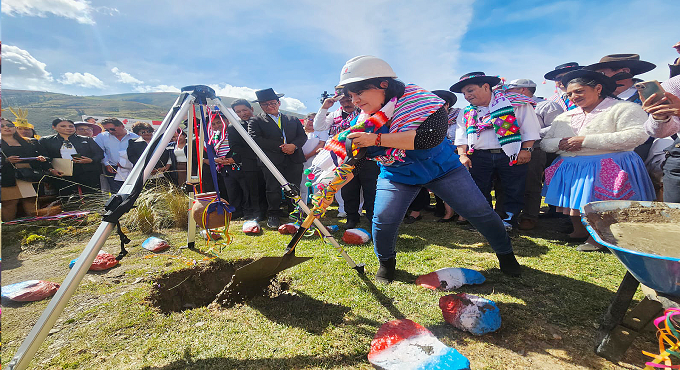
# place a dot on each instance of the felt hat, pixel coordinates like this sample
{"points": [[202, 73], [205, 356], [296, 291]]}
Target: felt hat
{"points": [[560, 69], [607, 83], [616, 61], [96, 129], [266, 95], [448, 96], [474, 78], [520, 82]]}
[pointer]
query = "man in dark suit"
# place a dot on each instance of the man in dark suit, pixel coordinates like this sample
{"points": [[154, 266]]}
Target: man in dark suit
{"points": [[281, 138]]}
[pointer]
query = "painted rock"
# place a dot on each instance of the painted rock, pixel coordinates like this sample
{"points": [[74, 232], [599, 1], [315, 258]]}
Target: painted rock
{"points": [[212, 236], [155, 244], [30, 290], [470, 313], [450, 278], [251, 227], [356, 236], [103, 261], [289, 228], [405, 345]]}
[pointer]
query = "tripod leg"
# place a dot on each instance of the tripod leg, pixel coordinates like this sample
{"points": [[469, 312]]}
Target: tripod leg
{"points": [[120, 204]]}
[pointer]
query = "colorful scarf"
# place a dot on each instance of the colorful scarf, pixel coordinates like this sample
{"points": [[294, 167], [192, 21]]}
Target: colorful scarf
{"points": [[220, 141], [563, 101], [501, 119], [341, 124], [403, 114], [453, 115]]}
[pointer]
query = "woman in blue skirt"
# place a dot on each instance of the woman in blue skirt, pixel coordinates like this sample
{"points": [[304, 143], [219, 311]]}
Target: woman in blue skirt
{"points": [[595, 142]]}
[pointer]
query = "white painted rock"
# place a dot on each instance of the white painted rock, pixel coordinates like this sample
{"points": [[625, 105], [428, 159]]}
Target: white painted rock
{"points": [[470, 313]]}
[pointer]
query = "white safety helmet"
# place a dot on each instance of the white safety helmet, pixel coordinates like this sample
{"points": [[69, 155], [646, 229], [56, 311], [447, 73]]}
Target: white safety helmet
{"points": [[364, 67]]}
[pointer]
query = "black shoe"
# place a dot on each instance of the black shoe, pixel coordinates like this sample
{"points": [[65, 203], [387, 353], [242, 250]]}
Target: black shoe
{"points": [[411, 219], [509, 264], [351, 224], [439, 213], [450, 219], [386, 271], [273, 222]]}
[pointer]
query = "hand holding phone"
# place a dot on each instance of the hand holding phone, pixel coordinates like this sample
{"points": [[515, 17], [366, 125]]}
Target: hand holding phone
{"points": [[648, 88]]}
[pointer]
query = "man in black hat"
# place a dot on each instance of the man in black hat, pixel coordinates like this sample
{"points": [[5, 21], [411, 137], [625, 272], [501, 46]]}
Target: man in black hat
{"points": [[560, 96], [495, 135], [281, 138], [622, 68]]}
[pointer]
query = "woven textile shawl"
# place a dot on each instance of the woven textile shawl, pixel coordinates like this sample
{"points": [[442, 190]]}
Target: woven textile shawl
{"points": [[341, 124], [501, 119]]}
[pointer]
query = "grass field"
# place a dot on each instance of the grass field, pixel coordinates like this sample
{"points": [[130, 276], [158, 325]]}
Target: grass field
{"points": [[328, 316]]}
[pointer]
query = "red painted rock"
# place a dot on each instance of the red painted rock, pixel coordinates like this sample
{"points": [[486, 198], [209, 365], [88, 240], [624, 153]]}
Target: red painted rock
{"points": [[449, 278], [251, 227], [356, 236], [29, 291], [287, 229], [404, 345], [155, 244]]}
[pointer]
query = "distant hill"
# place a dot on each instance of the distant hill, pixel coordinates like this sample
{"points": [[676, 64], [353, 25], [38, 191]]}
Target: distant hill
{"points": [[43, 107]]}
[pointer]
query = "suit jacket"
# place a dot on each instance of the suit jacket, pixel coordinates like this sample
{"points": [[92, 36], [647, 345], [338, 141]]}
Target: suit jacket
{"points": [[85, 146], [136, 148], [267, 135], [240, 151]]}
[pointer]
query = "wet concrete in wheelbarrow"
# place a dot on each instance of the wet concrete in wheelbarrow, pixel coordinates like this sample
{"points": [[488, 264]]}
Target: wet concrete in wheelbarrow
{"points": [[654, 230], [199, 286]]}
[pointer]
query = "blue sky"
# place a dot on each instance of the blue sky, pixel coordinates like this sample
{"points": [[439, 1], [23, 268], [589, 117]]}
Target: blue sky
{"points": [[298, 47]]}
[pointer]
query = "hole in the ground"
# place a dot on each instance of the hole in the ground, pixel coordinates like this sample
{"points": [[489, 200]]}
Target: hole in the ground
{"points": [[198, 286]]}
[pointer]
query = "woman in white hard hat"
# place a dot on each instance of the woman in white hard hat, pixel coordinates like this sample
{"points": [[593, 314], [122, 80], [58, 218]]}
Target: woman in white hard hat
{"points": [[408, 139]]}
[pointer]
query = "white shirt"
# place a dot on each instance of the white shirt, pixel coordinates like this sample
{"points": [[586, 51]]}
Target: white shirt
{"points": [[529, 128], [625, 94], [313, 139], [179, 153], [112, 146]]}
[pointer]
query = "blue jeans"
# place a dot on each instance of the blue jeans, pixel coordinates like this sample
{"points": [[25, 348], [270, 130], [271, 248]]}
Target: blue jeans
{"points": [[114, 185], [456, 188], [513, 181]]}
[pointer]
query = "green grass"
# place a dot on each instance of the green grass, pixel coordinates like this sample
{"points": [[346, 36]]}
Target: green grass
{"points": [[330, 322]]}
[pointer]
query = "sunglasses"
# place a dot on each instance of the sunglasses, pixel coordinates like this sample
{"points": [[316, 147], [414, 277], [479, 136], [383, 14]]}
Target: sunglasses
{"points": [[8, 125], [111, 129], [145, 132], [269, 103], [67, 144]]}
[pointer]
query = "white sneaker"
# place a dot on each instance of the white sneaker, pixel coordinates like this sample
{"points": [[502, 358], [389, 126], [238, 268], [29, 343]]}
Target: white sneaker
{"points": [[342, 215]]}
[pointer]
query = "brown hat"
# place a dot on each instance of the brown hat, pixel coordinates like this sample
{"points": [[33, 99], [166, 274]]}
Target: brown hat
{"points": [[616, 61]]}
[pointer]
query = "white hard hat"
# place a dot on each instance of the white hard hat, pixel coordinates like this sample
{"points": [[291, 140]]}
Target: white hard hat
{"points": [[364, 67]]}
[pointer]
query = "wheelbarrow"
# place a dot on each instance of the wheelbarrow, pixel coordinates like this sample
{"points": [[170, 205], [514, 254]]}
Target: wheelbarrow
{"points": [[651, 265]]}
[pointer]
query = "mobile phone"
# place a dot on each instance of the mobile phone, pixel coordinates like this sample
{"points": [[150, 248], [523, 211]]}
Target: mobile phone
{"points": [[649, 88], [77, 156], [28, 158]]}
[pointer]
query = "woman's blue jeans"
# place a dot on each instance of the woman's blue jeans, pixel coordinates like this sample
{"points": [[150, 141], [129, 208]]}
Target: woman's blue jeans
{"points": [[456, 188]]}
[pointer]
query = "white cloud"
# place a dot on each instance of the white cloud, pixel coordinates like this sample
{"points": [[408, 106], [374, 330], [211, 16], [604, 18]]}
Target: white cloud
{"points": [[23, 71], [125, 78], [157, 88], [79, 10], [82, 79], [287, 103]]}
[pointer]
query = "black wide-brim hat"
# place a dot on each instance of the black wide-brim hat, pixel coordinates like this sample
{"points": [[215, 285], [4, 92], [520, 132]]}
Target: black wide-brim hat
{"points": [[448, 96], [266, 95], [474, 78], [560, 69], [617, 61], [607, 83]]}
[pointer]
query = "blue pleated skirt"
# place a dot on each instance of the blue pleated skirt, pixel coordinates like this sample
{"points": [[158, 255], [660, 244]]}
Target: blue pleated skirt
{"points": [[571, 182]]}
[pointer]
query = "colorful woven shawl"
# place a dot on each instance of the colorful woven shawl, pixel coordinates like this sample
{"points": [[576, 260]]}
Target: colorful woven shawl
{"points": [[501, 119], [341, 124], [403, 114], [563, 101]]}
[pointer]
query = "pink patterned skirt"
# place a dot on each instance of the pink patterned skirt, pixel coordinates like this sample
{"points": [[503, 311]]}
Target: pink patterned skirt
{"points": [[571, 182]]}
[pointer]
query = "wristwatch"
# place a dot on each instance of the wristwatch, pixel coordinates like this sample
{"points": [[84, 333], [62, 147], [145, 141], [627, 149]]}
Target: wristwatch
{"points": [[529, 149]]}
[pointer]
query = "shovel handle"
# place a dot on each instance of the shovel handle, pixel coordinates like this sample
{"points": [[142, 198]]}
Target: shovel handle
{"points": [[351, 158]]}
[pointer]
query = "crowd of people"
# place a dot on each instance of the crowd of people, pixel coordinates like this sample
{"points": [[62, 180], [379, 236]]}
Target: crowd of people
{"points": [[597, 138]]}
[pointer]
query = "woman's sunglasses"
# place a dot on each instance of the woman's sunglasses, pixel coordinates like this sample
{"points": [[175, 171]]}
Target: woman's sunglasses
{"points": [[8, 125]]}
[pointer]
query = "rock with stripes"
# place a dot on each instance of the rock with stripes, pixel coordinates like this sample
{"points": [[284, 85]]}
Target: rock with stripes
{"points": [[251, 227], [470, 313], [406, 345], [450, 278], [356, 236]]}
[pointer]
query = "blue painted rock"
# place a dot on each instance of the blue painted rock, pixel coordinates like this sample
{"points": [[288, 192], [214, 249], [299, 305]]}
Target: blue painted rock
{"points": [[450, 278], [470, 313], [406, 345], [155, 244]]}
